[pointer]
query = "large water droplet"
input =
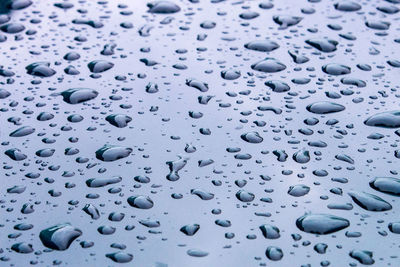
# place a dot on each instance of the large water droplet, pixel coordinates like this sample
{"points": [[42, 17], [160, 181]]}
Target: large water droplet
{"points": [[369, 202], [79, 95], [336, 69], [120, 257], [324, 107], [363, 256], [321, 223], [269, 65], [59, 237], [389, 119], [348, 6], [98, 66], [141, 202], [274, 253], [324, 45], [252, 137], [262, 45], [163, 7]]}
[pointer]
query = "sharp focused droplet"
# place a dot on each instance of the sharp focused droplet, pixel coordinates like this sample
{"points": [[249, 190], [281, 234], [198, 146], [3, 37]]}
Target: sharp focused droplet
{"points": [[362, 256], [270, 231], [190, 229], [298, 190], [252, 137], [278, 86], [23, 131], [118, 120], [286, 20]]}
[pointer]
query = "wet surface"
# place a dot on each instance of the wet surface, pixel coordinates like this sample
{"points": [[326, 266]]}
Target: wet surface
{"points": [[199, 133]]}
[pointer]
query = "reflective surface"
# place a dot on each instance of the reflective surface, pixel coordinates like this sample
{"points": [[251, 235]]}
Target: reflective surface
{"points": [[199, 133]]}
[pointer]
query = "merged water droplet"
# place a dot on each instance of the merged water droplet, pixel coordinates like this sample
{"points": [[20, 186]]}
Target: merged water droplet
{"points": [[78, 95], [59, 237], [100, 182], [362, 256], [286, 20], [98, 66], [323, 45], [141, 202], [40, 69], [22, 247], [202, 194], [252, 137], [113, 152], [262, 45]]}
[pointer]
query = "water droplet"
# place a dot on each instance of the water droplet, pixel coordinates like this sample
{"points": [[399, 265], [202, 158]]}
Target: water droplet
{"points": [[59, 237], [269, 65], [112, 152], [274, 253], [369, 202], [141, 202], [389, 119], [78, 95], [321, 223], [336, 69], [324, 107], [262, 45], [120, 257]]}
